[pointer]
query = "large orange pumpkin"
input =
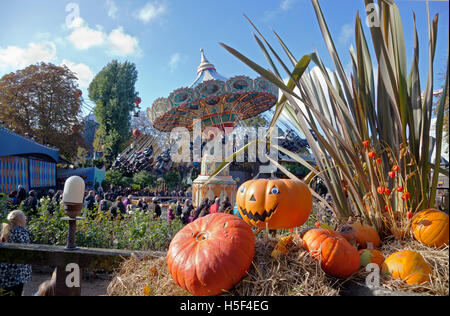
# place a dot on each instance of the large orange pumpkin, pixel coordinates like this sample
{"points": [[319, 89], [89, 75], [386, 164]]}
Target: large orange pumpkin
{"points": [[336, 256], [371, 256], [408, 266], [360, 234], [211, 254], [431, 228], [277, 204]]}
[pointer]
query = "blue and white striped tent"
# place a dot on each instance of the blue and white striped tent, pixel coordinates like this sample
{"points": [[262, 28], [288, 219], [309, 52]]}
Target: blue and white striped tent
{"points": [[25, 162]]}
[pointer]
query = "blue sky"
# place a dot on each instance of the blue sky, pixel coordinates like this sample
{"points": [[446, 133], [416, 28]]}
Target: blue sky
{"points": [[163, 38]]}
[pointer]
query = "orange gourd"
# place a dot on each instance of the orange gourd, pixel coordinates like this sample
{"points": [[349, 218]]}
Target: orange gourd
{"points": [[360, 234], [281, 247], [408, 266], [211, 254], [431, 228], [371, 256], [276, 204], [336, 256]]}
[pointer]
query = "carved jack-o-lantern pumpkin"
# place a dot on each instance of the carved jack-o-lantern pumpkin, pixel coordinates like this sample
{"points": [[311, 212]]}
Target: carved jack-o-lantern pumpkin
{"points": [[276, 204]]}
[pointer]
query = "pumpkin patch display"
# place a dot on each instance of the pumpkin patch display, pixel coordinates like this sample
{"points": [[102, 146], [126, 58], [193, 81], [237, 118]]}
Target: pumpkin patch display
{"points": [[368, 256], [336, 255], [430, 227], [275, 204], [360, 234], [408, 266], [211, 254]]}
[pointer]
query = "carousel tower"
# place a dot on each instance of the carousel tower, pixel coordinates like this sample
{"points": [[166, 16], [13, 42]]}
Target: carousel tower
{"points": [[217, 102]]}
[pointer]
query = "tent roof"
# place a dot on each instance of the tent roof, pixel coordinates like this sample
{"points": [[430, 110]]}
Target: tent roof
{"points": [[15, 145]]}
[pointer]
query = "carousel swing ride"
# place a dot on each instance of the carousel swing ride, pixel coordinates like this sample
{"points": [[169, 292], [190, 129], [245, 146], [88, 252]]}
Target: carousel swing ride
{"points": [[217, 102]]}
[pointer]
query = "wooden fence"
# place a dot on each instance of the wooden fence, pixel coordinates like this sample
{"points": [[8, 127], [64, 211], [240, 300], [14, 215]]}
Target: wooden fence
{"points": [[59, 257]]}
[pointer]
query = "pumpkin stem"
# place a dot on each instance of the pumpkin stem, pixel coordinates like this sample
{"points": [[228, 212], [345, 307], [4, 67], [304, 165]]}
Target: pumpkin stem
{"points": [[201, 236]]}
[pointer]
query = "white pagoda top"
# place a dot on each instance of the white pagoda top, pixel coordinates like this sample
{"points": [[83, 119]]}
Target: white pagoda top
{"points": [[206, 71]]}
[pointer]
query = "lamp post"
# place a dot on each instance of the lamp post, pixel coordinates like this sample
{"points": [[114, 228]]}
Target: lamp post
{"points": [[73, 203]]}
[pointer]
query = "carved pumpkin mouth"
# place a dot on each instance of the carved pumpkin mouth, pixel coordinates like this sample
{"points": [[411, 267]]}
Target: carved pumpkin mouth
{"points": [[256, 217]]}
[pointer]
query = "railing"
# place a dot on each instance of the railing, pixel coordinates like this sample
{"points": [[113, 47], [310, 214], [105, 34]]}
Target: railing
{"points": [[67, 262]]}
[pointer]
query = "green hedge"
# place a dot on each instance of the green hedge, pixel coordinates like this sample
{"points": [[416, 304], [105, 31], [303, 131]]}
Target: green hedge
{"points": [[100, 230]]}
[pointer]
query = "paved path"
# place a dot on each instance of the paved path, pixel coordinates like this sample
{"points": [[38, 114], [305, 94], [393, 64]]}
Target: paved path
{"points": [[91, 287]]}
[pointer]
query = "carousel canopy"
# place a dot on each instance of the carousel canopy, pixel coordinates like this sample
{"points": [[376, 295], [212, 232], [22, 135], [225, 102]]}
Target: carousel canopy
{"points": [[206, 71], [213, 99]]}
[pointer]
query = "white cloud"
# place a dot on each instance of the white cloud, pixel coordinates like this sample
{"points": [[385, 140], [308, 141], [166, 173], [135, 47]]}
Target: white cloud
{"points": [[117, 42], [346, 34], [75, 23], [14, 57], [175, 60], [112, 8], [83, 37], [82, 71], [151, 11], [286, 4], [123, 44]]}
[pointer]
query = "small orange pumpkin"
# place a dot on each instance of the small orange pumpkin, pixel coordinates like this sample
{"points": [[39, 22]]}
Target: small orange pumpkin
{"points": [[211, 254], [277, 204], [431, 228], [360, 234], [371, 256], [336, 256], [281, 247], [408, 266]]}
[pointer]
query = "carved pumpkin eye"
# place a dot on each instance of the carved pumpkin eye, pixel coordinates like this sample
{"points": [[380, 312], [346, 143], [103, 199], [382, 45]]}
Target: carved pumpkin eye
{"points": [[242, 189], [274, 190]]}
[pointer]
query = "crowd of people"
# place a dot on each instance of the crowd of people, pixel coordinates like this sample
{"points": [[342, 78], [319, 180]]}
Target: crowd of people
{"points": [[188, 213], [116, 200]]}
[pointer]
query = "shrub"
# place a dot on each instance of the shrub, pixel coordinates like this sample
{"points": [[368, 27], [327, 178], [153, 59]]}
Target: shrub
{"points": [[137, 231]]}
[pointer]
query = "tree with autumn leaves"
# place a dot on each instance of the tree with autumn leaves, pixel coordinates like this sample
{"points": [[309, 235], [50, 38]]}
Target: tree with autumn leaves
{"points": [[44, 101]]}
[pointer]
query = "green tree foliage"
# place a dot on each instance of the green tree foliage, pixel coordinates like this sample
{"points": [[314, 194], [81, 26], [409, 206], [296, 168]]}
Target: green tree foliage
{"points": [[171, 179], [113, 178], [297, 169], [126, 182], [42, 100], [81, 158], [144, 179], [114, 94]]}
